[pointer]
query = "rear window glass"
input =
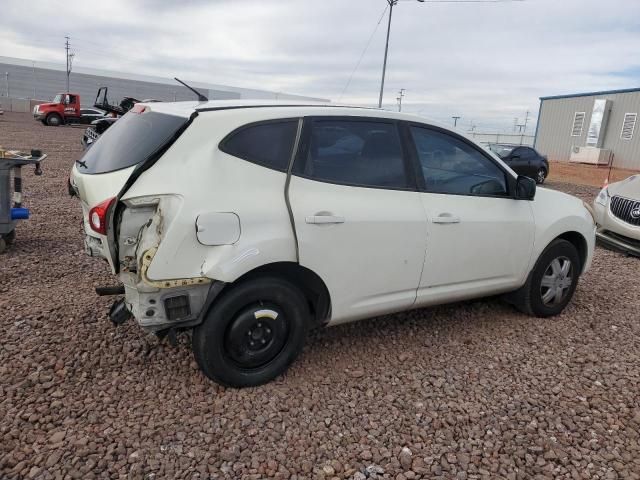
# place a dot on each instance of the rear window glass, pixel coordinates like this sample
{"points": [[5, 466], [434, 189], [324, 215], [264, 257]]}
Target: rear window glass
{"points": [[129, 141], [269, 144]]}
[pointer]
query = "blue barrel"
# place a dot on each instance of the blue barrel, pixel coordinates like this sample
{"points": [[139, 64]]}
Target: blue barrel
{"points": [[19, 213]]}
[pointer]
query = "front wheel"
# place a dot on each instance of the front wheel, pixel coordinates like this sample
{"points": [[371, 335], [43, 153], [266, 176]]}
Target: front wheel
{"points": [[54, 120], [541, 176], [551, 283], [252, 333]]}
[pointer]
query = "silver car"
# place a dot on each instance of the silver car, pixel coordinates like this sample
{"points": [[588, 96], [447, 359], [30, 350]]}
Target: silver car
{"points": [[617, 213]]}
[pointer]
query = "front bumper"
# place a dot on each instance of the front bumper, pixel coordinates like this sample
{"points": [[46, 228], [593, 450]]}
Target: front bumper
{"points": [[618, 242], [615, 232]]}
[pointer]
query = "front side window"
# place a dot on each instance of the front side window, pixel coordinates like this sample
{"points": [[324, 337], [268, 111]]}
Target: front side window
{"points": [[450, 165], [269, 144], [355, 152]]}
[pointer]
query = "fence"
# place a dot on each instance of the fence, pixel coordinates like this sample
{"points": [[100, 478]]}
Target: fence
{"points": [[24, 105]]}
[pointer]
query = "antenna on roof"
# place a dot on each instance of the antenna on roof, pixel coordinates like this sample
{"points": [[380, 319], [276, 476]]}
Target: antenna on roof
{"points": [[201, 97]]}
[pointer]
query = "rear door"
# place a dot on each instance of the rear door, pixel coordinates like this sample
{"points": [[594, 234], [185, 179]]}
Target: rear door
{"points": [[359, 220], [480, 239]]}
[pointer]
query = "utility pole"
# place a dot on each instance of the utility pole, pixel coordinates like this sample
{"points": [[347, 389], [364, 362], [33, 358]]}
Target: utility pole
{"points": [[386, 51], [6, 77], [400, 95], [455, 121], [69, 59], [33, 64], [526, 121]]}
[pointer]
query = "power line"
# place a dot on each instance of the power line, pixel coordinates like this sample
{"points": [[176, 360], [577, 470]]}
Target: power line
{"points": [[363, 53]]}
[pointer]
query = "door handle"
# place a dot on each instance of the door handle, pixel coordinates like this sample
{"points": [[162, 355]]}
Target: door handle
{"points": [[446, 218], [324, 219]]}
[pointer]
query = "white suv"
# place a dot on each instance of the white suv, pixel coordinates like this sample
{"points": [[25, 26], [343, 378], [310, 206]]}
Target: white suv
{"points": [[252, 223]]}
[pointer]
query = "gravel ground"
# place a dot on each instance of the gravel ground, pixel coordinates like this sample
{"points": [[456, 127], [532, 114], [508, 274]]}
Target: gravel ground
{"points": [[471, 390]]}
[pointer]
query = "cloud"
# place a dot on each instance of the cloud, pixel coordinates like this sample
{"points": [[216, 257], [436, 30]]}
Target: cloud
{"points": [[488, 63]]}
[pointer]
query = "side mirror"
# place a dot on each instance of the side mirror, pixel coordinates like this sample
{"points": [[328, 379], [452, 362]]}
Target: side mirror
{"points": [[525, 188], [515, 157]]}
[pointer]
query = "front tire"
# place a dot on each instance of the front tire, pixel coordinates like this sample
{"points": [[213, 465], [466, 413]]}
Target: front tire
{"points": [[541, 176], [551, 283], [252, 333], [54, 120]]}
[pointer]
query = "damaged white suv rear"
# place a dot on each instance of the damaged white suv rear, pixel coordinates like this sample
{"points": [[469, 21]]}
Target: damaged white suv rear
{"points": [[252, 223]]}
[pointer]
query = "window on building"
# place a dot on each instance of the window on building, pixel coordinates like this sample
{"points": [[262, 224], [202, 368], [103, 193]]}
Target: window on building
{"points": [[628, 126], [269, 144], [578, 124]]}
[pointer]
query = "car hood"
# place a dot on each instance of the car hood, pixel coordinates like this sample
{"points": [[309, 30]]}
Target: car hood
{"points": [[628, 188], [551, 197], [40, 105]]}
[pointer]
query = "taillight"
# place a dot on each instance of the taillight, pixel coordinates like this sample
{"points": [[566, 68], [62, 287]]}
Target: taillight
{"points": [[137, 108], [98, 216]]}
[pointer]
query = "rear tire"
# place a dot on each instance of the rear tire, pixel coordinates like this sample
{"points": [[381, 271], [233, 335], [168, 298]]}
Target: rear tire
{"points": [[3, 245], [54, 120], [252, 333], [551, 283]]}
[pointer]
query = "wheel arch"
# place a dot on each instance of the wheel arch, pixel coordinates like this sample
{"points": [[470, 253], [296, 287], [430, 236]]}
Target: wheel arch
{"points": [[312, 286], [578, 241]]}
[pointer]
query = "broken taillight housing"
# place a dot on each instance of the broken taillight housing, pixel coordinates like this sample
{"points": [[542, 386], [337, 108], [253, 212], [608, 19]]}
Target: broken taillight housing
{"points": [[98, 216]]}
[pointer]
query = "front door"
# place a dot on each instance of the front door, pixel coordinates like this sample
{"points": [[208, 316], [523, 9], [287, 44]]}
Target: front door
{"points": [[359, 221], [479, 238]]}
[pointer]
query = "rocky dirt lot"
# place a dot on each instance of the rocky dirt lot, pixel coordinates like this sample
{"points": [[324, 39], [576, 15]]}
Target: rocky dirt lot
{"points": [[472, 390]]}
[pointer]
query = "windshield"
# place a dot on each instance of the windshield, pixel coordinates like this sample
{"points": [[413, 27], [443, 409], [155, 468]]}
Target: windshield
{"points": [[129, 141], [501, 150], [58, 98]]}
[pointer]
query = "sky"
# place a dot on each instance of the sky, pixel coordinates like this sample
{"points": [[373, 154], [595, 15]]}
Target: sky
{"points": [[486, 62]]}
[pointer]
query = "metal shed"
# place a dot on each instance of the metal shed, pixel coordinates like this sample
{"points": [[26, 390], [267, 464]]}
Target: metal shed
{"points": [[596, 127]]}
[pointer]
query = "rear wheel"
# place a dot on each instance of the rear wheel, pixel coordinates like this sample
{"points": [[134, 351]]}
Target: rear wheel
{"points": [[551, 283], [54, 120], [3, 245], [541, 176], [252, 333]]}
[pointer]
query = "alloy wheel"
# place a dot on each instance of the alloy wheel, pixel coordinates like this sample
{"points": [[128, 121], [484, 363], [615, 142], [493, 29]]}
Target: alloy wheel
{"points": [[556, 281]]}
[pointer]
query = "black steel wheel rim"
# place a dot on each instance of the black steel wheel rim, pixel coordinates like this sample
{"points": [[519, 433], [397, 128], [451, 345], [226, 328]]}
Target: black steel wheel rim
{"points": [[256, 335]]}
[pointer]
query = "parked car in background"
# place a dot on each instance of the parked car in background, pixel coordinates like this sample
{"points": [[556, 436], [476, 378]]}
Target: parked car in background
{"points": [[90, 114], [252, 223], [523, 160], [617, 213], [97, 128]]}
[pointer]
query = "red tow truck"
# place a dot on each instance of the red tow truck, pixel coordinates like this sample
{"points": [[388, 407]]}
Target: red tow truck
{"points": [[65, 108]]}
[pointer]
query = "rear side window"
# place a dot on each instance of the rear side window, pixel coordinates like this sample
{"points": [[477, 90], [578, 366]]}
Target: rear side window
{"points": [[269, 144], [355, 152], [130, 140]]}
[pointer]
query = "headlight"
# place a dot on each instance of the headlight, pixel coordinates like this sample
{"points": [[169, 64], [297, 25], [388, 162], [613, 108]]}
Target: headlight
{"points": [[603, 197]]}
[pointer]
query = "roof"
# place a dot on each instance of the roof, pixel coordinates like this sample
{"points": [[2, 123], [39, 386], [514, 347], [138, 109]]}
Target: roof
{"points": [[592, 94], [185, 109]]}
